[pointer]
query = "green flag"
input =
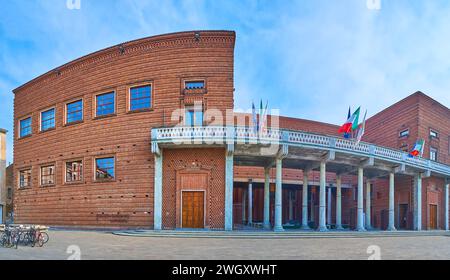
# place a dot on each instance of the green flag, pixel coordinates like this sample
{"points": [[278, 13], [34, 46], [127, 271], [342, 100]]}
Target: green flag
{"points": [[356, 119]]}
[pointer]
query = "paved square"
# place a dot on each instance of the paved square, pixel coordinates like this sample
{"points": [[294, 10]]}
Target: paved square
{"points": [[102, 245]]}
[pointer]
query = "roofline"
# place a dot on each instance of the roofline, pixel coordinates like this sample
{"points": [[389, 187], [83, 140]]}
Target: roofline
{"points": [[292, 118], [2, 130], [417, 94], [124, 44]]}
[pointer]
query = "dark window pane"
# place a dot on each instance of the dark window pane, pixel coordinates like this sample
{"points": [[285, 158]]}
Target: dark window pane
{"points": [[104, 168], [48, 175], [74, 171], [25, 178], [195, 85], [140, 98], [25, 127], [75, 111], [106, 104], [48, 120]]}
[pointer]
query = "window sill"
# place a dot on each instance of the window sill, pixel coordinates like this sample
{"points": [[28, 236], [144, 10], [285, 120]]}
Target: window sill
{"points": [[47, 130], [140, 111], [104, 116], [73, 123], [48, 186], [74, 183], [24, 188], [100, 181], [25, 137]]}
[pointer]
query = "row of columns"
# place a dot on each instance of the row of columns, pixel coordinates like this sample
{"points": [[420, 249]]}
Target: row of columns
{"points": [[363, 217], [229, 182]]}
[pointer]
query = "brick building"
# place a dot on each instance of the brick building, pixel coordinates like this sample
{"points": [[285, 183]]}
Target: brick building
{"points": [[143, 135], [3, 189]]}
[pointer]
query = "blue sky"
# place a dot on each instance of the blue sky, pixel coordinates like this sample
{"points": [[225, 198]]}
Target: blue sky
{"points": [[310, 58]]}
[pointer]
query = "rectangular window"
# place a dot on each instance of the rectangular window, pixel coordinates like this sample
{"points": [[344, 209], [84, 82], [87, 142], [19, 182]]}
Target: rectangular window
{"points": [[194, 84], [47, 175], [48, 119], [25, 127], [193, 117], [106, 104], [25, 178], [404, 133], [104, 168], [433, 154], [140, 98], [9, 193], [74, 171], [74, 112], [433, 133]]}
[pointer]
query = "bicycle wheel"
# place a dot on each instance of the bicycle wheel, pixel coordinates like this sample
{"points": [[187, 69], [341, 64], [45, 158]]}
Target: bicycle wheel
{"points": [[3, 240], [40, 240], [45, 236]]}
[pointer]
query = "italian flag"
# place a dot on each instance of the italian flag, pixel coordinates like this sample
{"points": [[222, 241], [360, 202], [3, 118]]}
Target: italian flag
{"points": [[418, 148], [352, 123]]}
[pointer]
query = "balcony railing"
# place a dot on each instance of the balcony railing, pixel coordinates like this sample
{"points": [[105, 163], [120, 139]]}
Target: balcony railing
{"points": [[246, 135]]}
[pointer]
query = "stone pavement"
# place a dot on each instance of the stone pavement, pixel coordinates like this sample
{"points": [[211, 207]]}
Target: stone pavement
{"points": [[105, 245]]}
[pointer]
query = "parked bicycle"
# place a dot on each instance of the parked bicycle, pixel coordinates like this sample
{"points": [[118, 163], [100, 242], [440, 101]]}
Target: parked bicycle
{"points": [[9, 238], [23, 235]]}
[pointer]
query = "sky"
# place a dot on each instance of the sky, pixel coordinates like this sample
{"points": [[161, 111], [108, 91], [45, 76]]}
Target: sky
{"points": [[310, 59]]}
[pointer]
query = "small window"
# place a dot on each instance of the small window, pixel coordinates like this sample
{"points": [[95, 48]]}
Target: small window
{"points": [[433, 154], [74, 112], [9, 193], [433, 133], [25, 178], [106, 104], [193, 117], [74, 171], [48, 119], [25, 127], [140, 98], [194, 84], [104, 168], [47, 175], [404, 133]]}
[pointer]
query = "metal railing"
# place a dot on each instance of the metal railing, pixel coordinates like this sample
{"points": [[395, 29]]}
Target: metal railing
{"points": [[247, 135]]}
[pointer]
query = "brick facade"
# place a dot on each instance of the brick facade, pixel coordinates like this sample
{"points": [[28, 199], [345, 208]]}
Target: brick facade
{"points": [[165, 62]]}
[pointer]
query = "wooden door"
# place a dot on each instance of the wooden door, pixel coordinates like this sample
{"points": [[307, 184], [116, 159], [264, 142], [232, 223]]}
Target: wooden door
{"points": [[193, 210], [433, 216], [403, 216]]}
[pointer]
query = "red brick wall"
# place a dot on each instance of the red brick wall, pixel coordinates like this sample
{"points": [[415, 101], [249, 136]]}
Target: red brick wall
{"points": [[194, 162], [128, 201]]}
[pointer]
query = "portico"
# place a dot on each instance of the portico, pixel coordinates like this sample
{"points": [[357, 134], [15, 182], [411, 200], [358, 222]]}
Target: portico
{"points": [[333, 158]]}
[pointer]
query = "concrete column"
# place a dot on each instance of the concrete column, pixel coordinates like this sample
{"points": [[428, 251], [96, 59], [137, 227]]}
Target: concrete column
{"points": [[244, 207], [368, 206], [322, 198], [250, 202], [267, 198], [278, 196], [339, 202], [229, 180], [157, 204], [360, 225], [391, 225], [418, 210], [329, 206], [446, 207], [305, 200]]}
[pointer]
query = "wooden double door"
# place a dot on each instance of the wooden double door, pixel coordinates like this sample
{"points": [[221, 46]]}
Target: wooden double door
{"points": [[193, 211], [433, 217]]}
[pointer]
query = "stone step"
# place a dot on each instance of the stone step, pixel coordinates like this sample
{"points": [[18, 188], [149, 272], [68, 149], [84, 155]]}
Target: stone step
{"points": [[277, 235]]}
